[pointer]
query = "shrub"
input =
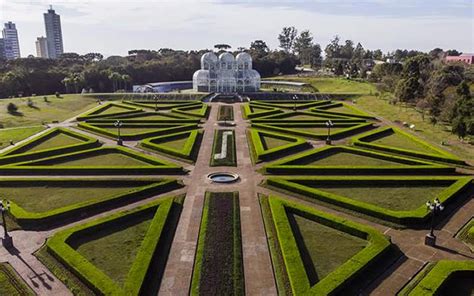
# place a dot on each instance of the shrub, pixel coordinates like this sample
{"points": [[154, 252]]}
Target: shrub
{"points": [[12, 108]]}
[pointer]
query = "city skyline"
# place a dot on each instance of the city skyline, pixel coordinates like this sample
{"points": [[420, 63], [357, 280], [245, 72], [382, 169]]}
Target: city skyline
{"points": [[405, 24]]}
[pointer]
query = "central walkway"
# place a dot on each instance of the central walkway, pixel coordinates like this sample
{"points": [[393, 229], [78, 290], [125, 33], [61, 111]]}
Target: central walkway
{"points": [[257, 265]]}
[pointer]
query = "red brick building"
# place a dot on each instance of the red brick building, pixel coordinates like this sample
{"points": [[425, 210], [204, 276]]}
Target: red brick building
{"points": [[467, 58]]}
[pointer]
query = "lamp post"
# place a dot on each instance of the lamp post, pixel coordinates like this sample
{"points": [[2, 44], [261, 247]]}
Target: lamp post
{"points": [[434, 207], [329, 124], [295, 97], [118, 124], [4, 208]]}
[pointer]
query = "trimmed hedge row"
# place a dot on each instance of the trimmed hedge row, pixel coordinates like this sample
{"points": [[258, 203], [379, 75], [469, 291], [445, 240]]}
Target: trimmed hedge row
{"points": [[193, 111], [288, 115], [335, 135], [42, 220], [96, 112], [231, 157], [248, 113], [44, 166], [408, 166], [344, 274], [411, 217], [142, 118], [152, 104], [351, 115], [355, 111], [218, 267], [189, 151], [261, 153], [160, 129], [20, 153], [299, 105], [444, 270], [365, 139], [59, 246]]}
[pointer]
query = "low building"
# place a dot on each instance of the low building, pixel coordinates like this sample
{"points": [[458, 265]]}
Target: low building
{"points": [[467, 58], [163, 86], [42, 47]]}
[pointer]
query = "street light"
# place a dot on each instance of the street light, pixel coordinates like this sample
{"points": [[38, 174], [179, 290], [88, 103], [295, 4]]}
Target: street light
{"points": [[295, 97], [4, 208], [434, 207], [329, 124], [118, 124]]}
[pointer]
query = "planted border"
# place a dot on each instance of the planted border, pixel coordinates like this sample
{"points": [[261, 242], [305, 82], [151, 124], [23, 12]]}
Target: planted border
{"points": [[345, 274], [218, 267], [189, 151], [408, 166], [248, 113], [230, 158], [142, 118], [411, 217], [289, 104], [365, 141], [193, 111], [225, 112], [326, 109], [43, 220], [152, 104], [152, 166], [20, 152], [96, 112], [288, 116], [59, 247]]}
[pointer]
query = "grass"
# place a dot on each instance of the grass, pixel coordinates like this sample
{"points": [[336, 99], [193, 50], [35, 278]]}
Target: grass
{"points": [[424, 129], [467, 234], [323, 249], [40, 198], [105, 159], [225, 112], [272, 142], [130, 130], [350, 159], [58, 140], [332, 85], [113, 109], [11, 284], [17, 134], [56, 109], [114, 251], [177, 144], [399, 141]]}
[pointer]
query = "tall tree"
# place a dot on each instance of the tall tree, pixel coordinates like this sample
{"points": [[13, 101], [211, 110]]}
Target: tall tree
{"points": [[259, 47], [287, 38], [222, 46], [302, 46]]}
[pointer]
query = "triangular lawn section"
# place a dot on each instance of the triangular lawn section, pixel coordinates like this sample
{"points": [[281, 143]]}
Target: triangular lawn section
{"points": [[269, 144], [182, 145], [196, 111], [321, 252], [303, 116], [250, 110], [108, 110], [148, 116], [113, 254], [162, 104]]}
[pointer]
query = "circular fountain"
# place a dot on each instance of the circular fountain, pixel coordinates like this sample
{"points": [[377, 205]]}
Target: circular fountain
{"points": [[222, 177]]}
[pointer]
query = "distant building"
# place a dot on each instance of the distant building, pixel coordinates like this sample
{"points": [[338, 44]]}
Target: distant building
{"points": [[54, 36], [163, 87], [42, 47], [467, 58], [226, 74], [10, 39], [2, 49]]}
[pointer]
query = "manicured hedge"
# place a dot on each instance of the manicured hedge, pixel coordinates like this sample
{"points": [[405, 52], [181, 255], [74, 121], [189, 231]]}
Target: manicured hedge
{"points": [[289, 104], [440, 155], [408, 166], [42, 220], [144, 118], [347, 120], [290, 128], [326, 109], [444, 270], [96, 112], [152, 104], [20, 152], [153, 166], [194, 111], [156, 129], [260, 153], [189, 151], [248, 113], [417, 216], [231, 157], [289, 115], [344, 274], [218, 267], [59, 246]]}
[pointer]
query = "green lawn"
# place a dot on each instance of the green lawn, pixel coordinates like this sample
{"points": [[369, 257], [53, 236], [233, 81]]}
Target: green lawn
{"points": [[467, 234], [106, 159], [322, 248], [350, 159], [113, 109], [11, 284], [332, 85], [114, 252], [177, 144], [58, 109], [317, 130], [57, 140], [400, 141], [43, 198], [342, 109], [130, 130], [17, 134], [425, 130], [272, 142]]}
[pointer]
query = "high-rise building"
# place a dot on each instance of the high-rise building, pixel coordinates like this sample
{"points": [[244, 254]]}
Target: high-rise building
{"points": [[42, 47], [2, 49], [10, 40], [54, 36]]}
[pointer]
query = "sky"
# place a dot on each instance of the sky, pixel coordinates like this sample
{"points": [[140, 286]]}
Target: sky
{"points": [[114, 27]]}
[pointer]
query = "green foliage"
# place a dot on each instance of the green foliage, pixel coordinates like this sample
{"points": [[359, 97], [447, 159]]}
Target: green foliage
{"points": [[250, 110], [11, 284], [188, 151], [463, 112], [17, 134], [109, 110], [201, 111], [12, 108], [231, 155]]}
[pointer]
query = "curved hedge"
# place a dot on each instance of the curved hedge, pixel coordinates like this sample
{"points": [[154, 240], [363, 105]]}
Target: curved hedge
{"points": [[344, 274], [365, 141], [408, 217], [20, 152], [59, 246], [189, 151]]}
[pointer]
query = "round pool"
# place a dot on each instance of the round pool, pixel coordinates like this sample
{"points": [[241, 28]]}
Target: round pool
{"points": [[223, 177]]}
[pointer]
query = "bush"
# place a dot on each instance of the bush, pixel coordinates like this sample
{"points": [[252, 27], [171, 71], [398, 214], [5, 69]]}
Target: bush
{"points": [[57, 94], [12, 108]]}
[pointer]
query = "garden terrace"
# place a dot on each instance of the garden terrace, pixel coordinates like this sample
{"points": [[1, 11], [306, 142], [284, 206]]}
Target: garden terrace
{"points": [[104, 160], [136, 131], [107, 110], [184, 145], [315, 130], [218, 267], [318, 253], [266, 146], [41, 203], [225, 113], [393, 140], [250, 111], [400, 200], [125, 271], [224, 149], [53, 142], [201, 111], [11, 284], [341, 160]]}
